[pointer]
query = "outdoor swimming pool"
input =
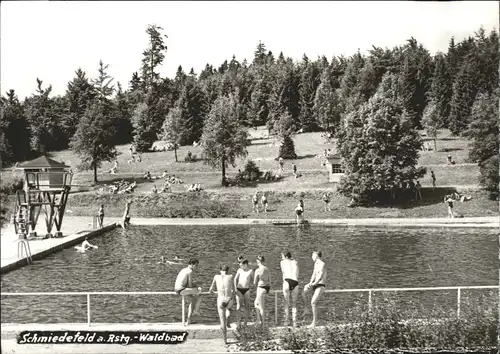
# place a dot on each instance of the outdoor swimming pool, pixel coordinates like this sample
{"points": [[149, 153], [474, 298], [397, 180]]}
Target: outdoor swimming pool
{"points": [[355, 257]]}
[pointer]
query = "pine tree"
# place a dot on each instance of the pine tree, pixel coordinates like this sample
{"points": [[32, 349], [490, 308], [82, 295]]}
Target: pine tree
{"points": [[349, 82], [484, 132], [441, 89], [224, 139], [260, 54], [326, 103], [80, 93], [287, 148], [103, 86], [123, 116], [432, 121], [309, 82], [93, 141], [173, 129], [379, 146], [416, 74], [464, 92], [144, 128], [14, 130], [153, 56], [43, 124], [191, 103]]}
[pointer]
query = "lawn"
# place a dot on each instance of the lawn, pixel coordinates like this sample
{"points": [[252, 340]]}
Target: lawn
{"points": [[308, 146], [283, 194]]}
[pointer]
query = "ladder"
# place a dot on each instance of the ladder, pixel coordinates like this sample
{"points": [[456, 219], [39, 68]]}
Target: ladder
{"points": [[23, 247]]}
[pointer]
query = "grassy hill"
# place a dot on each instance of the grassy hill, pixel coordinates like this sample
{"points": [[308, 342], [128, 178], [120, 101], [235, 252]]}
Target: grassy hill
{"points": [[283, 193]]}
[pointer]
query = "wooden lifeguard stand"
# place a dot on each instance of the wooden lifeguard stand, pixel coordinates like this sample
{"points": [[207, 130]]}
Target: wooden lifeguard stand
{"points": [[46, 186]]}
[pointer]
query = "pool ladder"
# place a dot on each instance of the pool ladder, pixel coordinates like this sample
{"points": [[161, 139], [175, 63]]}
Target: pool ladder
{"points": [[23, 246]]}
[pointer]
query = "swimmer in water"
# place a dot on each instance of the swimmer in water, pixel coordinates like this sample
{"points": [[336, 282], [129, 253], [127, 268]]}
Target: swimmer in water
{"points": [[243, 282], [290, 270], [175, 261], [262, 281], [86, 245], [225, 297]]}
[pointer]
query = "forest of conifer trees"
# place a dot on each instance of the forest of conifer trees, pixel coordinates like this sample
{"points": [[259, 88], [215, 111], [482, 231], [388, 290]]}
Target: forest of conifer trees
{"points": [[310, 95]]}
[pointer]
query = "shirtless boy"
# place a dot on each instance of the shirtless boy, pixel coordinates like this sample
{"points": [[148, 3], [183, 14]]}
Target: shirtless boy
{"points": [[316, 286], [184, 286], [290, 270], [243, 283], [262, 280], [226, 290]]}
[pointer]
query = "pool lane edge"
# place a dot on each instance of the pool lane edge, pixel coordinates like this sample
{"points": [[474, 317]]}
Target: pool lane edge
{"points": [[46, 252]]}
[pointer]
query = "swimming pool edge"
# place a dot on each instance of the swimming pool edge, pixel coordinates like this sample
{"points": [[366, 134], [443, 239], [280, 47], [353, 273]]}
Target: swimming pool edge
{"points": [[68, 241]]}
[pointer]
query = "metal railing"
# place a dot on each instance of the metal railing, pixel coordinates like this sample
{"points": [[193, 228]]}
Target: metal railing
{"points": [[276, 292]]}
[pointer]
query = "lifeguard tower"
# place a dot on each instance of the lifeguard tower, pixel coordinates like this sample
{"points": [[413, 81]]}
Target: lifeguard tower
{"points": [[46, 186]]}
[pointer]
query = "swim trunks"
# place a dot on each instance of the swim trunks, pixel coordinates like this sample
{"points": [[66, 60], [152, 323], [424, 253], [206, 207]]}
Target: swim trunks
{"points": [[242, 290], [266, 287], [291, 283], [299, 212], [318, 286]]}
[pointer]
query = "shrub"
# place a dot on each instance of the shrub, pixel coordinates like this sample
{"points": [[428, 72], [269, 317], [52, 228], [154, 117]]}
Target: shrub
{"points": [[252, 171], [287, 148], [11, 185], [388, 328]]}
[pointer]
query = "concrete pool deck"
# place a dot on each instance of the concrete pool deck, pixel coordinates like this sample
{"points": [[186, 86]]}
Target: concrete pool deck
{"points": [[76, 228], [201, 338]]}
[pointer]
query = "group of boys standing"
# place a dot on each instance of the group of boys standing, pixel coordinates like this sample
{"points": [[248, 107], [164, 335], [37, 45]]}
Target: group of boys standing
{"points": [[235, 290]]}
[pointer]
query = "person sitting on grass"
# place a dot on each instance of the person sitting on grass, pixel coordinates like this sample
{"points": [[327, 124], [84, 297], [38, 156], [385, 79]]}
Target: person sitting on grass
{"points": [[166, 187], [147, 176], [198, 187]]}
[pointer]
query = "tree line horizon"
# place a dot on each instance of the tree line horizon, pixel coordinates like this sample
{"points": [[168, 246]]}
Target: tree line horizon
{"points": [[373, 104]]}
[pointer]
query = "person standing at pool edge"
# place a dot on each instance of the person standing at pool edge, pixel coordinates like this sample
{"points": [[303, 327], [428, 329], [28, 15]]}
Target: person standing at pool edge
{"points": [[316, 286], [225, 297], [126, 217], [262, 280], [243, 283], [290, 270], [100, 216], [184, 286]]}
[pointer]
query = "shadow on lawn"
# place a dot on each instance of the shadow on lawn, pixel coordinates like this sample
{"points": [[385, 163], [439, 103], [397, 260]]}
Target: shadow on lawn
{"points": [[407, 201], [449, 149], [429, 197]]}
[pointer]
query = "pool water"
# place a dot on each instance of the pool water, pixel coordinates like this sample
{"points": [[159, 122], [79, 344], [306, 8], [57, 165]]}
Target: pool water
{"points": [[355, 258]]}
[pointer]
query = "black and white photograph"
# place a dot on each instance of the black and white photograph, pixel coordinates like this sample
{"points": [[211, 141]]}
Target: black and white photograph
{"points": [[249, 176]]}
